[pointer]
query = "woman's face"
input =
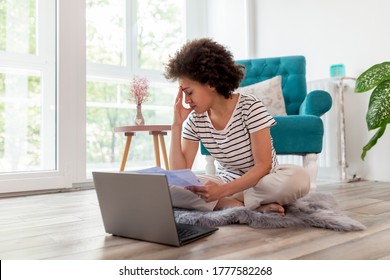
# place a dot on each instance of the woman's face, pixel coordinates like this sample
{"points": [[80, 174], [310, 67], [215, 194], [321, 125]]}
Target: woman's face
{"points": [[198, 96]]}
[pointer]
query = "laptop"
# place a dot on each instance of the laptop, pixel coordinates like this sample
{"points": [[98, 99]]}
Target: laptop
{"points": [[139, 206]]}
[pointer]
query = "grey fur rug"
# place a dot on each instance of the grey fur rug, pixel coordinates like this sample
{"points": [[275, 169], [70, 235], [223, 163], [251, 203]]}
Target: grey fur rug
{"points": [[314, 210]]}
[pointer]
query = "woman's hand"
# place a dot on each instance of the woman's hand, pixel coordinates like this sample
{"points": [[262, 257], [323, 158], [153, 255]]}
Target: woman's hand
{"points": [[210, 191], [180, 112]]}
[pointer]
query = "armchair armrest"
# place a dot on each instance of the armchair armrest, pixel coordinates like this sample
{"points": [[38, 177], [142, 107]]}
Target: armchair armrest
{"points": [[316, 103]]}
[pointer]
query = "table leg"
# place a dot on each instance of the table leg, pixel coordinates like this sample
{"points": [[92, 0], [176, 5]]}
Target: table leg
{"points": [[126, 151], [156, 149], [164, 151]]}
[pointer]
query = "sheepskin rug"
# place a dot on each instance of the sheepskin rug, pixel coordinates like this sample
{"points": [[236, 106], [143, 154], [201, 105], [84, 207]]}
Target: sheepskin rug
{"points": [[314, 210]]}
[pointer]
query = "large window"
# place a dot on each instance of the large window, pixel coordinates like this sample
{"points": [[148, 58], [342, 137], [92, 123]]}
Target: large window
{"points": [[27, 86], [65, 69], [126, 39]]}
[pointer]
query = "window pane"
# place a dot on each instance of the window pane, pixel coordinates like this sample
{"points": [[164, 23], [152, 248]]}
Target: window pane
{"points": [[161, 31], [105, 31], [23, 145], [108, 106], [27, 87], [18, 26]]}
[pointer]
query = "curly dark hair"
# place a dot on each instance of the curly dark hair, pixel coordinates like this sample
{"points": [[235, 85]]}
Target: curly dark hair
{"points": [[206, 62]]}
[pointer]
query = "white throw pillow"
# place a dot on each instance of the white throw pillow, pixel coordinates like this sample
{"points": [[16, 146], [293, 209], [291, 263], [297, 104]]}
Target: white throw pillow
{"points": [[270, 93]]}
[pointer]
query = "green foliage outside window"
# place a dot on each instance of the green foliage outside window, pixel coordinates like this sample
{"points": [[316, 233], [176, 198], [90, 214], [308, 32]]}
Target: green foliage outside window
{"points": [[28, 107], [160, 31], [13, 27]]}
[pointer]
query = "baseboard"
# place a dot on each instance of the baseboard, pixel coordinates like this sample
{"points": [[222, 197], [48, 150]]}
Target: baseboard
{"points": [[76, 187]]}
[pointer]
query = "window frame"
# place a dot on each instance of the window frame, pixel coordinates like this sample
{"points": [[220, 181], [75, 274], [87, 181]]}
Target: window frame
{"points": [[69, 22]]}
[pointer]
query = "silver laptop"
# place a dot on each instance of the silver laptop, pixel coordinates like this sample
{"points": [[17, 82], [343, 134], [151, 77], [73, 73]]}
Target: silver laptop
{"points": [[139, 206]]}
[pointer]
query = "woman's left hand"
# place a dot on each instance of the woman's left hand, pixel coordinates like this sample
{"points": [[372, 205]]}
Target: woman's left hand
{"points": [[209, 192]]}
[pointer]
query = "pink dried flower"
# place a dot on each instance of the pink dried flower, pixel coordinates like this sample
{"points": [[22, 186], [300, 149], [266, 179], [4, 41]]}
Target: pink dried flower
{"points": [[139, 90]]}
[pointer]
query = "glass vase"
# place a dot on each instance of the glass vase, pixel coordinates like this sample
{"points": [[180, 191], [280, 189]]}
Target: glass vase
{"points": [[139, 118]]}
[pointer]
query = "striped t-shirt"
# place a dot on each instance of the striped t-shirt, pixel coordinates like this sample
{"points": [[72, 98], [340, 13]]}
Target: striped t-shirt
{"points": [[231, 147]]}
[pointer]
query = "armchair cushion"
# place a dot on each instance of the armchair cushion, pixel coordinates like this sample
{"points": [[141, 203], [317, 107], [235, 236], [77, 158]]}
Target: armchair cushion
{"points": [[270, 93]]}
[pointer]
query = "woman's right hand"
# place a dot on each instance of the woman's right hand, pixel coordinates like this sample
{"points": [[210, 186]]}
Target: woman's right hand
{"points": [[180, 112]]}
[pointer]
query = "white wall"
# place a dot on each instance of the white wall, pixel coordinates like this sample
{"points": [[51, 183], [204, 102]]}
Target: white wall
{"points": [[325, 31], [328, 32], [228, 23]]}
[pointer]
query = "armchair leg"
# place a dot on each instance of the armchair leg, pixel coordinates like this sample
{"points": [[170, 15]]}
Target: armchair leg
{"points": [[310, 163], [210, 167]]}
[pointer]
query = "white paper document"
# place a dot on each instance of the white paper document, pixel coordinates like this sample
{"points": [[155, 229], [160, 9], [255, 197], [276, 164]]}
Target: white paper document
{"points": [[181, 177]]}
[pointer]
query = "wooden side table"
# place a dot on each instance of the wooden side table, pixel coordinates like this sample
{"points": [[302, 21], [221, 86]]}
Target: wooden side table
{"points": [[157, 131]]}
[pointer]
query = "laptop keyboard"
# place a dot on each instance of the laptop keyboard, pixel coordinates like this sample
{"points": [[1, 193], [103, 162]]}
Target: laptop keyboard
{"points": [[185, 232]]}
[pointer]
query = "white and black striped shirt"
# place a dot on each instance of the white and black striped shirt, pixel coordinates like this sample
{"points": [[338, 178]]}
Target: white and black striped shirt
{"points": [[231, 147]]}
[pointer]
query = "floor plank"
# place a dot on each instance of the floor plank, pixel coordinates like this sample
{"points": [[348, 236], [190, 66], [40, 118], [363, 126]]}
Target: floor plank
{"points": [[69, 226]]}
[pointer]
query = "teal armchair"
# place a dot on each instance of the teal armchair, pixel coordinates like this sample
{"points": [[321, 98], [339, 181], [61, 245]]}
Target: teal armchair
{"points": [[301, 131]]}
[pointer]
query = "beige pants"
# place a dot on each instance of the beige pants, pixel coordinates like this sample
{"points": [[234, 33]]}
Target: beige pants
{"points": [[284, 184]]}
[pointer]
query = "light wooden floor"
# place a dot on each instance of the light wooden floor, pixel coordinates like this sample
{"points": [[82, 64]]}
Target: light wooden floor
{"points": [[68, 226]]}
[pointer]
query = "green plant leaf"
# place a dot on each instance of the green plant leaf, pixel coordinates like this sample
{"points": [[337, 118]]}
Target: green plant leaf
{"points": [[378, 112], [373, 140], [373, 77]]}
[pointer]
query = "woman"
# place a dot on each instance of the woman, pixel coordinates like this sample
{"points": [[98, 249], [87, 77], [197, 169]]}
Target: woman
{"points": [[235, 129]]}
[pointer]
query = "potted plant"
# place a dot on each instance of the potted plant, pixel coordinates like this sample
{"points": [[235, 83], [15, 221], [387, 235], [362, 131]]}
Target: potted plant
{"points": [[139, 93], [377, 78]]}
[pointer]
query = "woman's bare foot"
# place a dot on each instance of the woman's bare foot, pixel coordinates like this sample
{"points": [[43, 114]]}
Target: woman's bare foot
{"points": [[271, 207]]}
